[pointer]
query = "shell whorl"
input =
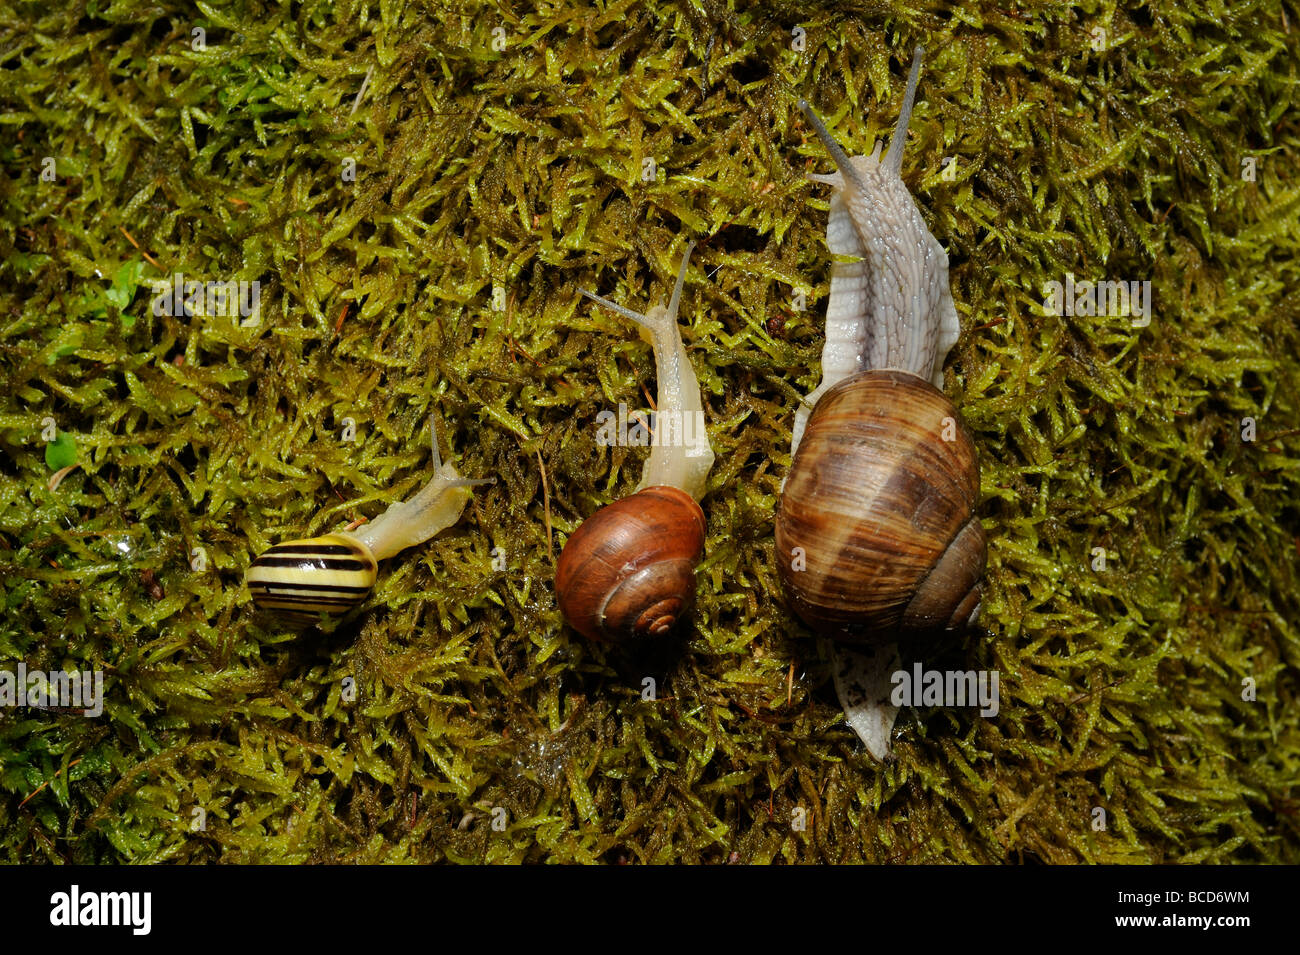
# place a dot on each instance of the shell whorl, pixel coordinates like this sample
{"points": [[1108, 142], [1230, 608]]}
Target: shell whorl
{"points": [[882, 508], [628, 572], [299, 580]]}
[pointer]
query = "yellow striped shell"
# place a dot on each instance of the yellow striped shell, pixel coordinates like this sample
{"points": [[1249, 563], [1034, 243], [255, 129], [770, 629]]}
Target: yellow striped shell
{"points": [[301, 579]]}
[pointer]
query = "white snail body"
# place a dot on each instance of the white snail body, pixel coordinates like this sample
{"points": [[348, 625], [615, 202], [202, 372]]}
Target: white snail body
{"points": [[879, 503], [681, 461], [892, 307], [299, 580]]}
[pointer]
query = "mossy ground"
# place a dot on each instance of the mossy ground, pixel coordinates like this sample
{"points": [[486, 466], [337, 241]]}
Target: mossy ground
{"points": [[521, 169]]}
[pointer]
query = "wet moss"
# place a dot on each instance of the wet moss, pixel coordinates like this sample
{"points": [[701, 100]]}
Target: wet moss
{"points": [[420, 207]]}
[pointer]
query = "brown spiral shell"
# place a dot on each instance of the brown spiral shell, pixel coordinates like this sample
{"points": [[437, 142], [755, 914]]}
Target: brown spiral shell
{"points": [[629, 571], [884, 511]]}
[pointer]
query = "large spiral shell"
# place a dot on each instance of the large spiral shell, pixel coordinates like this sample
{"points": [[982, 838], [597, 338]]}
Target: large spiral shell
{"points": [[876, 534]]}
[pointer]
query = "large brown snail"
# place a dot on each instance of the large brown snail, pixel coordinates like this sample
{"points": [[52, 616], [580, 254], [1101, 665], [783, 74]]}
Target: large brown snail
{"points": [[301, 581], [876, 533], [628, 572]]}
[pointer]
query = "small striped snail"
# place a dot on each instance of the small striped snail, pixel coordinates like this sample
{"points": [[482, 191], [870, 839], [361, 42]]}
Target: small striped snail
{"points": [[628, 572], [876, 531], [300, 580]]}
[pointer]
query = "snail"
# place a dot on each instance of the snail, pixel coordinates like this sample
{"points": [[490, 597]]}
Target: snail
{"points": [[301, 579], [628, 571], [876, 531]]}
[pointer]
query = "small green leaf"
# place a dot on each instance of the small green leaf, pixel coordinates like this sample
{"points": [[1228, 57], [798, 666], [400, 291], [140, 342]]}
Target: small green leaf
{"points": [[122, 291], [61, 452]]}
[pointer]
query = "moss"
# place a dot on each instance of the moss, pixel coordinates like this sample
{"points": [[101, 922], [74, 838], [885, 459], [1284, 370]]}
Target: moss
{"points": [[526, 170]]}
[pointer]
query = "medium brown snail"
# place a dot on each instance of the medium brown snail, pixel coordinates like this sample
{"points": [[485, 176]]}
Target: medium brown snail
{"points": [[876, 533], [299, 580], [628, 572]]}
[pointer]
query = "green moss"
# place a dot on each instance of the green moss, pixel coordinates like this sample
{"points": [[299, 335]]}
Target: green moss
{"points": [[525, 169]]}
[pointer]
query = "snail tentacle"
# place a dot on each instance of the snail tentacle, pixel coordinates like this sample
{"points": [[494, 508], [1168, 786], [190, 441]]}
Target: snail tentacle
{"points": [[894, 158], [680, 455]]}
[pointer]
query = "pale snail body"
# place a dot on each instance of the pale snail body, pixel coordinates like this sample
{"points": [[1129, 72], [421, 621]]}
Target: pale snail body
{"points": [[628, 572], [299, 580], [880, 501]]}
